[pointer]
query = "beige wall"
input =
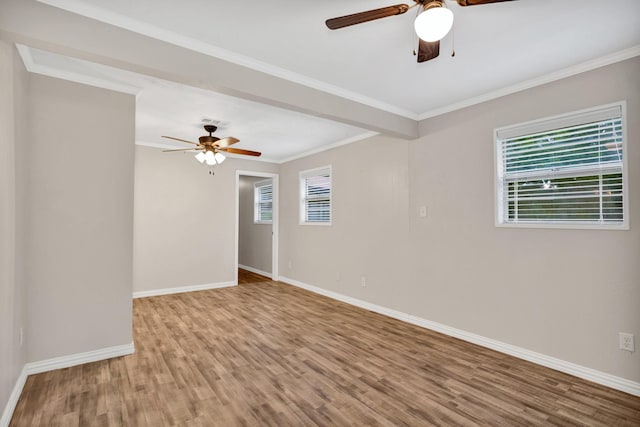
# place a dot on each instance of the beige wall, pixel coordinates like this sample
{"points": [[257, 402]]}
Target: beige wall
{"points": [[254, 240], [184, 219], [563, 293], [79, 217], [368, 235], [14, 89]]}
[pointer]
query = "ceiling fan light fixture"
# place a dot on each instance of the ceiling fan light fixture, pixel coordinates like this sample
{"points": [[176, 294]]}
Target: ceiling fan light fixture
{"points": [[210, 158], [200, 157], [434, 22], [219, 158], [209, 147]]}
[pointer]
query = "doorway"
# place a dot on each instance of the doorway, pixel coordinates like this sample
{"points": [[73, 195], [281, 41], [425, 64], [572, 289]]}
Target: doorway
{"points": [[256, 238]]}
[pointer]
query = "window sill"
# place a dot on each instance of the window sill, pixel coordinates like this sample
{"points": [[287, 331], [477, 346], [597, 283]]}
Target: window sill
{"points": [[559, 226]]}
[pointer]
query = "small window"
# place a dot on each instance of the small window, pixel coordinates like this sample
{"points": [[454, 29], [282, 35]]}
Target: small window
{"points": [[566, 171], [315, 200], [263, 202]]}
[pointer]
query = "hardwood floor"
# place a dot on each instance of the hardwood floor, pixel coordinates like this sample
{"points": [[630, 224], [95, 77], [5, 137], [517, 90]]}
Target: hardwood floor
{"points": [[265, 353]]}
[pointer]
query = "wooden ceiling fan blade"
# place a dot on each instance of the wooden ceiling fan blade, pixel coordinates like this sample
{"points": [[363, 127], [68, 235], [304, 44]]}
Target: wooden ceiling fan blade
{"points": [[369, 15], [240, 151], [427, 50], [178, 139], [225, 142], [184, 149], [476, 2]]}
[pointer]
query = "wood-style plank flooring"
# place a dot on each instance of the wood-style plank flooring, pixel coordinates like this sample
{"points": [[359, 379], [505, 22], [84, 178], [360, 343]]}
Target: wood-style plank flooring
{"points": [[265, 353]]}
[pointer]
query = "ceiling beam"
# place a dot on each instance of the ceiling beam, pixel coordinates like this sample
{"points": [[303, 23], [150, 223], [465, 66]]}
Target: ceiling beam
{"points": [[45, 27]]}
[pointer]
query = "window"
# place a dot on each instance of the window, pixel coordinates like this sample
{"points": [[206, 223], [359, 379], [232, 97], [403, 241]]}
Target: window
{"points": [[566, 171], [315, 189], [263, 202]]}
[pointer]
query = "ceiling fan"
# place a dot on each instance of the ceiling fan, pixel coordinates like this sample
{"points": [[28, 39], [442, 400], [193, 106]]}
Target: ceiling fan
{"points": [[210, 147], [431, 25]]}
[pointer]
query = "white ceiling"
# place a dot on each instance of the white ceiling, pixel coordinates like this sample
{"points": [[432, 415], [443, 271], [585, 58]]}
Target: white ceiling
{"points": [[500, 48], [497, 45]]}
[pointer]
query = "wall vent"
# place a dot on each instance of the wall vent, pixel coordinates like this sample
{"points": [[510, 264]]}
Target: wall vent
{"points": [[215, 122]]}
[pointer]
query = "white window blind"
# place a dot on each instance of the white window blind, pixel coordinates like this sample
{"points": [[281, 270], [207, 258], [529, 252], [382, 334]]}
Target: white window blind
{"points": [[316, 196], [263, 193], [566, 170]]}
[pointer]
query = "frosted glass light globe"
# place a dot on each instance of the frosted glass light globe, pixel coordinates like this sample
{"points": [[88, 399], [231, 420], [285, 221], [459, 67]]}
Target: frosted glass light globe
{"points": [[219, 158], [200, 156], [209, 158], [433, 24]]}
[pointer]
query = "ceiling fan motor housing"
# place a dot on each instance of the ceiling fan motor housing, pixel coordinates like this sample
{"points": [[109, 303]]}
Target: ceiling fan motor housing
{"points": [[426, 5], [208, 140]]}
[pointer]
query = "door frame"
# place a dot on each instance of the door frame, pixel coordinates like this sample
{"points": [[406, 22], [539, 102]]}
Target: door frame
{"points": [[274, 224]]}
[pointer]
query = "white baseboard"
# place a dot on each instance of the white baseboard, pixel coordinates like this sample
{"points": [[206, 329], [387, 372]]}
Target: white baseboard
{"points": [[180, 289], [589, 374], [58, 363], [255, 270], [78, 359], [13, 398]]}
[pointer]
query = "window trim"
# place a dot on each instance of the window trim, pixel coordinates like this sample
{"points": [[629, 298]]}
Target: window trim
{"points": [[256, 201], [302, 175], [540, 123]]}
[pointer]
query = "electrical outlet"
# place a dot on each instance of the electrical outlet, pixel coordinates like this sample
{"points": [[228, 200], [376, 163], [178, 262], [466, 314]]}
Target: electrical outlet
{"points": [[290, 265], [627, 342], [422, 211], [363, 281], [21, 336]]}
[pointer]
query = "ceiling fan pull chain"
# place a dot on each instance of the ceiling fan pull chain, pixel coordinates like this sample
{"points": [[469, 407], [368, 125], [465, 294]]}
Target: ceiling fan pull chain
{"points": [[453, 39]]}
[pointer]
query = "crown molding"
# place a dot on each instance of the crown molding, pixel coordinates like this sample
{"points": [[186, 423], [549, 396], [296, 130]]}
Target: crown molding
{"points": [[346, 141], [136, 26], [27, 58], [45, 70], [538, 81], [121, 21]]}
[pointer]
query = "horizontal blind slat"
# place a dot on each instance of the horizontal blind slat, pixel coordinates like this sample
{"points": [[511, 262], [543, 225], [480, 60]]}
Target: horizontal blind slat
{"points": [[604, 129], [580, 118]]}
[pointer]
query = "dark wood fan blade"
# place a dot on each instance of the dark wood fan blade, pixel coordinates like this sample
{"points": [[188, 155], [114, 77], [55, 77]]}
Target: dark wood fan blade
{"points": [[225, 142], [178, 139], [240, 151], [184, 149], [369, 15], [476, 2], [427, 50]]}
